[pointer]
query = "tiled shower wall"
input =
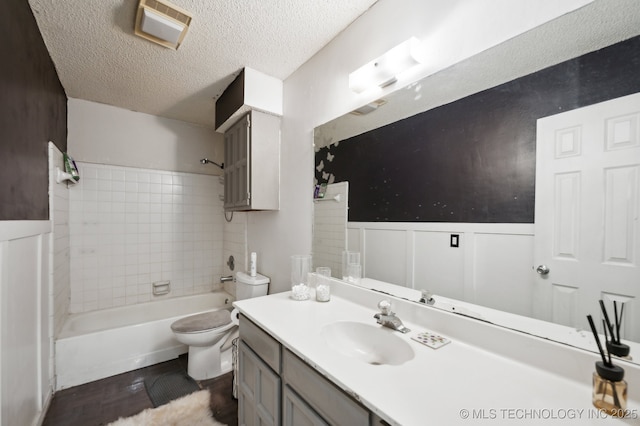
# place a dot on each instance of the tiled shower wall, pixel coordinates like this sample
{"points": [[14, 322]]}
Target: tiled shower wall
{"points": [[330, 216], [59, 215], [235, 244], [132, 227]]}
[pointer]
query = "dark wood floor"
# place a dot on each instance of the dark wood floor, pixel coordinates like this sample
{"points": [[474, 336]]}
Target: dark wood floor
{"points": [[106, 400]]}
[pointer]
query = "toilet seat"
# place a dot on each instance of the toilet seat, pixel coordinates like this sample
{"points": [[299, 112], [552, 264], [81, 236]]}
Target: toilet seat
{"points": [[202, 323]]}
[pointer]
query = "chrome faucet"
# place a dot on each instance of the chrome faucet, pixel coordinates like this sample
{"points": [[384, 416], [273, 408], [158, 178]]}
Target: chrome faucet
{"points": [[427, 297], [388, 318]]}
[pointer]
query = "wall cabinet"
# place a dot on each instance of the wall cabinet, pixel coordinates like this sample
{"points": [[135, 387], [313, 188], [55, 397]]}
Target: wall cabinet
{"points": [[252, 163], [277, 387]]}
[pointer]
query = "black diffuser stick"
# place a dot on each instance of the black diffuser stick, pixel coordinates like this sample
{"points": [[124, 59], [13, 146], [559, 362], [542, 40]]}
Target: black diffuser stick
{"points": [[616, 335], [606, 317], [595, 336], [606, 339], [621, 317]]}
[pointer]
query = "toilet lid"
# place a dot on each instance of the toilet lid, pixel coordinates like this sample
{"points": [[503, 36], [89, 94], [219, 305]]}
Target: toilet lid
{"points": [[202, 322]]}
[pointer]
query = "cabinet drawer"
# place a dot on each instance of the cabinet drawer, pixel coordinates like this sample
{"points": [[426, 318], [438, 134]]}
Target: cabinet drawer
{"points": [[323, 396], [262, 344]]}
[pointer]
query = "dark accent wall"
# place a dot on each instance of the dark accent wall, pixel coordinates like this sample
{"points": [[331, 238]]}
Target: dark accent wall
{"points": [[33, 111], [231, 100], [473, 160]]}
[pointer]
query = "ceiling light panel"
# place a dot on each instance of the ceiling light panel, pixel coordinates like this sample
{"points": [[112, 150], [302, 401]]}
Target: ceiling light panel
{"points": [[162, 22]]}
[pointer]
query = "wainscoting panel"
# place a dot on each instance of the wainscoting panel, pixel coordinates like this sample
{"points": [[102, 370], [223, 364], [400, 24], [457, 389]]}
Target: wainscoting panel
{"points": [[503, 277], [491, 266], [386, 257], [438, 267], [24, 377]]}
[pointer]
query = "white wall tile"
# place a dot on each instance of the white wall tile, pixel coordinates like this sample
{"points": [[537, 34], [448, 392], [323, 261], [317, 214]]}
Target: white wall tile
{"points": [[130, 227], [61, 217], [329, 228]]}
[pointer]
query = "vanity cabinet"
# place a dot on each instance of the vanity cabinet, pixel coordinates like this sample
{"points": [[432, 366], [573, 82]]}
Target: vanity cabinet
{"points": [[252, 163], [259, 383], [259, 390], [277, 387]]}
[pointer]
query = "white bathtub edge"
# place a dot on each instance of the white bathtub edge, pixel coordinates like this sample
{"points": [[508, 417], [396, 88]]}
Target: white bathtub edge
{"points": [[97, 354], [77, 377]]}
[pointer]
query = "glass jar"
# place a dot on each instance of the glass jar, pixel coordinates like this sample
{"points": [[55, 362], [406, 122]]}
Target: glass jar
{"points": [[349, 258], [609, 396], [323, 284], [300, 268]]}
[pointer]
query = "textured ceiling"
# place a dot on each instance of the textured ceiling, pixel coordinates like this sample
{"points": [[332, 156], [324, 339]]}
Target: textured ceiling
{"points": [[99, 59]]}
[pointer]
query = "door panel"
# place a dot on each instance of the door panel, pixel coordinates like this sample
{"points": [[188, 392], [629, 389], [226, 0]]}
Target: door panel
{"points": [[586, 218]]}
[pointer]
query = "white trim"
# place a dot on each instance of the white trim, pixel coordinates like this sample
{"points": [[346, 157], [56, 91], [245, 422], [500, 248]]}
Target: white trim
{"points": [[478, 228], [16, 229], [4, 273]]}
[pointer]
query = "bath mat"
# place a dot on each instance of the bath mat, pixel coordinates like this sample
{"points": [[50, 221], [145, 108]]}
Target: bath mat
{"points": [[169, 386], [190, 410]]}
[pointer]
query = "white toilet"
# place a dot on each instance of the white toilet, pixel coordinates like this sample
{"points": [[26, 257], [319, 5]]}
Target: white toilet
{"points": [[209, 334]]}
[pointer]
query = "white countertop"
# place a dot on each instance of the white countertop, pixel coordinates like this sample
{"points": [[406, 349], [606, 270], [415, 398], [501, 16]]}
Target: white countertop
{"points": [[459, 383]]}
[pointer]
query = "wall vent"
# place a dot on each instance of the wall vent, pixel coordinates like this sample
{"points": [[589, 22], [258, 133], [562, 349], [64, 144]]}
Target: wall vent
{"points": [[162, 22]]}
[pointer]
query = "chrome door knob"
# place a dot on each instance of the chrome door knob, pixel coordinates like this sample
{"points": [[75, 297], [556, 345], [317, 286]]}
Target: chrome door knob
{"points": [[542, 269]]}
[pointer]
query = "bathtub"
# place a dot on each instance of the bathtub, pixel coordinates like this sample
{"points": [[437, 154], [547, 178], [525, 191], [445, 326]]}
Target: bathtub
{"points": [[99, 344]]}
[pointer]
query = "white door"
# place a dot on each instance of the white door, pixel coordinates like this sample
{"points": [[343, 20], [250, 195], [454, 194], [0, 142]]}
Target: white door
{"points": [[586, 215]]}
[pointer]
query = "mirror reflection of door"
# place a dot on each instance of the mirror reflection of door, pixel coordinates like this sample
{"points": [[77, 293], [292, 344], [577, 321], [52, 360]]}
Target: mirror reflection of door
{"points": [[586, 216]]}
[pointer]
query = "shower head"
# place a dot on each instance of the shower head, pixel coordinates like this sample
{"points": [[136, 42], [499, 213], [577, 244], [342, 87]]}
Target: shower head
{"points": [[206, 160]]}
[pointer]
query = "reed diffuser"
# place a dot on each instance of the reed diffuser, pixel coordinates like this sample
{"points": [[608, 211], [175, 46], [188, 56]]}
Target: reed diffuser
{"points": [[609, 388], [613, 343]]}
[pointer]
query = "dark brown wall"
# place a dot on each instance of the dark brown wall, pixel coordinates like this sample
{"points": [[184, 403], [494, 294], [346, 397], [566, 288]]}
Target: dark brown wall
{"points": [[231, 99], [473, 160], [33, 111]]}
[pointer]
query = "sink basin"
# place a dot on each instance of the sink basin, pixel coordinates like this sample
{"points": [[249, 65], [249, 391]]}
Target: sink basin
{"points": [[371, 344]]}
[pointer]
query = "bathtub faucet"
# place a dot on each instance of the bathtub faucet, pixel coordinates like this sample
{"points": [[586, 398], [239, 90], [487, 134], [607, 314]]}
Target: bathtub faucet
{"points": [[226, 279]]}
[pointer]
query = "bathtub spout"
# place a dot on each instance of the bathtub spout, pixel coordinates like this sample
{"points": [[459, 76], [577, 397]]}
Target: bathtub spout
{"points": [[226, 279]]}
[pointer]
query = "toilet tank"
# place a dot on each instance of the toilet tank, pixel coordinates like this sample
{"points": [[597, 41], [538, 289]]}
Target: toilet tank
{"points": [[248, 286]]}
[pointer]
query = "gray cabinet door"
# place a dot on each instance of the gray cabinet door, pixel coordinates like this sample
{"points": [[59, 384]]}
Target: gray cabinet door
{"points": [[236, 165], [295, 412], [258, 390], [324, 397]]}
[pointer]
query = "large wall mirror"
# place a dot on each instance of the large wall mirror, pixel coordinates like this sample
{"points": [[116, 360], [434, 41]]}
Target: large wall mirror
{"points": [[452, 199]]}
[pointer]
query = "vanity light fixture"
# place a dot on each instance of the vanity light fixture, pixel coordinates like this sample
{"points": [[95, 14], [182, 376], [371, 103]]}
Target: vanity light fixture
{"points": [[162, 22], [384, 70], [370, 107]]}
